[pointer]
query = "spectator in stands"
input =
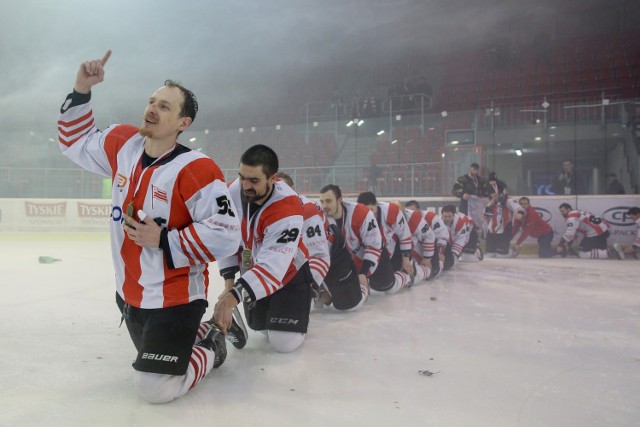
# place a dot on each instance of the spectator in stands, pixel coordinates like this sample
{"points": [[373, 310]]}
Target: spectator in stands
{"points": [[423, 90], [374, 174], [568, 181], [406, 92], [469, 185], [369, 107], [613, 185], [354, 108], [336, 103], [393, 94]]}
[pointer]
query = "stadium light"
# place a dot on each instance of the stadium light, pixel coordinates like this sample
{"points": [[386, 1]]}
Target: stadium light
{"points": [[192, 139], [518, 152], [394, 141], [380, 132], [350, 123], [360, 122]]}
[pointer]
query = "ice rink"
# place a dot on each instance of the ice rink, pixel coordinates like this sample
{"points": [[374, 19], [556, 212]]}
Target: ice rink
{"points": [[511, 342]]}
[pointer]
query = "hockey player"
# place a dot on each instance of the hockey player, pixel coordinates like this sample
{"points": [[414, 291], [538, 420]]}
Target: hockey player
{"points": [[423, 242], [499, 215], [314, 236], [633, 249], [275, 279], [395, 270], [171, 216], [355, 249], [594, 229], [441, 231], [464, 239]]}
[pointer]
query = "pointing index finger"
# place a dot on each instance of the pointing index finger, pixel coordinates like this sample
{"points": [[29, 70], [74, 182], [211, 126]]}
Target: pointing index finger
{"points": [[106, 56]]}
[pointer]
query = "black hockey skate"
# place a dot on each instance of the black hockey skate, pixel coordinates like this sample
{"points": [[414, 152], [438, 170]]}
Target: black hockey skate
{"points": [[214, 341], [435, 270], [237, 333]]}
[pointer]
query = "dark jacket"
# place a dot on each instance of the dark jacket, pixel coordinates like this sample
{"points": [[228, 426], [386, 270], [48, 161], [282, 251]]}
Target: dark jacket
{"points": [[571, 181], [466, 184], [615, 188]]}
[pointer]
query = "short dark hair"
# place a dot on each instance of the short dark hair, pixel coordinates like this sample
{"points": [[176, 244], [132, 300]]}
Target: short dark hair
{"points": [[475, 166], [286, 178], [524, 198], [189, 104], [412, 203], [367, 198], [332, 187], [634, 211], [261, 155], [565, 206], [449, 208]]}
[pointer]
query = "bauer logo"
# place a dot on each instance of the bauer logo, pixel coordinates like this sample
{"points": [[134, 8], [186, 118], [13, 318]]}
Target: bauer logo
{"points": [[89, 210], [45, 209], [618, 216], [544, 214]]}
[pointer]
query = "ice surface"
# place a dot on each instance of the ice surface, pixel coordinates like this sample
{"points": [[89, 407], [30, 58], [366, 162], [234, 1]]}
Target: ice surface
{"points": [[515, 342]]}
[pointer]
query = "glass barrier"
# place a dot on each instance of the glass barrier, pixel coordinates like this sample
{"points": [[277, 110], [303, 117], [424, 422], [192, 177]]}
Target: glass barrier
{"points": [[409, 152]]}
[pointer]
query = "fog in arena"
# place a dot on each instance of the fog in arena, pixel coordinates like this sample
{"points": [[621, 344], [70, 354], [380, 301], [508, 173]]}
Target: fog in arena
{"points": [[232, 54], [405, 100]]}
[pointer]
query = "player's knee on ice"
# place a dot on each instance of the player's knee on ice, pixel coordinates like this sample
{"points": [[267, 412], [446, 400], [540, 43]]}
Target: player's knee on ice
{"points": [[285, 342], [158, 388]]}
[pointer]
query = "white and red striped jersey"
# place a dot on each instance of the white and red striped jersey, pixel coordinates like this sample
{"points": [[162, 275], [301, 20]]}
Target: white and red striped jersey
{"points": [[183, 191], [393, 226], [636, 241], [584, 223], [422, 236], [503, 214], [361, 234], [460, 230], [439, 228], [272, 232], [314, 237]]}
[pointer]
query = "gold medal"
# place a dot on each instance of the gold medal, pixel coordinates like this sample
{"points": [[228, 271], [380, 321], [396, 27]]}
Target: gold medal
{"points": [[247, 260], [130, 211]]}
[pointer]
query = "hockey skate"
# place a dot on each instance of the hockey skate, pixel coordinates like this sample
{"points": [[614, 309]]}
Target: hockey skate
{"points": [[237, 333], [412, 277], [321, 296], [214, 341], [615, 251], [435, 270]]}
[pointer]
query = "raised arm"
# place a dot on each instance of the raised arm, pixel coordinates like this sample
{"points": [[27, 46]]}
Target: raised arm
{"points": [[91, 73]]}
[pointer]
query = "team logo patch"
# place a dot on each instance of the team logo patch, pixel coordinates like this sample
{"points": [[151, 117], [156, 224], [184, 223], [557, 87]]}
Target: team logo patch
{"points": [[121, 180], [159, 194]]}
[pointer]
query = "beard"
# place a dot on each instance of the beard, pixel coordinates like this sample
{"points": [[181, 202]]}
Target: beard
{"points": [[145, 132], [252, 196]]}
